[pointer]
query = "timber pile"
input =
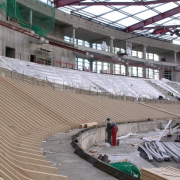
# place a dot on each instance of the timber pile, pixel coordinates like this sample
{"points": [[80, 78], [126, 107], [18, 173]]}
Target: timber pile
{"points": [[88, 125], [164, 173]]}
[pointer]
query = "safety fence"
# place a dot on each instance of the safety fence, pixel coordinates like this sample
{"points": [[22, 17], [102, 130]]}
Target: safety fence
{"points": [[36, 80]]}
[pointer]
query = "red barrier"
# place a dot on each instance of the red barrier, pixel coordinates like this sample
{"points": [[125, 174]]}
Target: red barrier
{"points": [[114, 134]]}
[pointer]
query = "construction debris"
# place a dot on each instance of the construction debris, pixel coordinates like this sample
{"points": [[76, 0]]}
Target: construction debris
{"points": [[161, 151], [92, 151], [68, 131], [104, 145], [127, 135], [88, 125]]}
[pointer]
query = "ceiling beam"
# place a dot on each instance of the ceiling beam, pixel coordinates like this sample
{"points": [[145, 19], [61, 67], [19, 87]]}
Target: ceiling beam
{"points": [[161, 27], [60, 3], [140, 25]]}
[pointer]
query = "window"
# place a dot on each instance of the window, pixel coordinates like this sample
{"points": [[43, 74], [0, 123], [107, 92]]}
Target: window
{"points": [[156, 74], [140, 72], [140, 54], [123, 70], [82, 64], [134, 53], [10, 52], [151, 56], [156, 57], [117, 69], [133, 71], [80, 42]]}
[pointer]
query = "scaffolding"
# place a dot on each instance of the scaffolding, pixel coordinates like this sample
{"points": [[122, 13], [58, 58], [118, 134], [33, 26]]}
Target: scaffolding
{"points": [[36, 15]]}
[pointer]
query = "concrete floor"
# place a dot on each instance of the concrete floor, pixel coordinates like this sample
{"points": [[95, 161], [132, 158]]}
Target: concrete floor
{"points": [[62, 156], [125, 150], [59, 151]]}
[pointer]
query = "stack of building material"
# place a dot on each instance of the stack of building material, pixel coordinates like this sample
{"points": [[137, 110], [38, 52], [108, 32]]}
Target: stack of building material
{"points": [[164, 173]]}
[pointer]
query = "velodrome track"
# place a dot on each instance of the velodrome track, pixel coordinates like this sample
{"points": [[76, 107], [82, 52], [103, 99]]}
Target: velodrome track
{"points": [[30, 113]]}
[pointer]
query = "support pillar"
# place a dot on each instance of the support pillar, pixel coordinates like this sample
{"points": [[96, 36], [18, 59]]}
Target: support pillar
{"points": [[30, 17], [144, 57], [175, 56], [144, 72], [144, 52], [74, 34], [91, 65], [111, 44], [111, 67], [172, 74], [161, 73], [127, 69]]}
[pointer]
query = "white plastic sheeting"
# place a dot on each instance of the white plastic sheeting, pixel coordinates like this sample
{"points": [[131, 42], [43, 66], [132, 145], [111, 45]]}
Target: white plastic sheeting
{"points": [[119, 85], [165, 86]]}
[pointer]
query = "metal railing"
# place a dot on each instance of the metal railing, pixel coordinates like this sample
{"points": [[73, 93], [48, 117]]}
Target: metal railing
{"points": [[102, 94]]}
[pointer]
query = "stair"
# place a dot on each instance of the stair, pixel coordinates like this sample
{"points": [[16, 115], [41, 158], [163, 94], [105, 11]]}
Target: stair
{"points": [[163, 91], [174, 85]]}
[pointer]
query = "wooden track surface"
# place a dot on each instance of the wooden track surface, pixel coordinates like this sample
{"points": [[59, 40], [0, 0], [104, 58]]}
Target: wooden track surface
{"points": [[174, 108], [30, 113]]}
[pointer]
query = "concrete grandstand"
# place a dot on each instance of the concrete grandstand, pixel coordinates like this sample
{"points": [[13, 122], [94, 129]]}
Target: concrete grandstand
{"points": [[66, 66]]}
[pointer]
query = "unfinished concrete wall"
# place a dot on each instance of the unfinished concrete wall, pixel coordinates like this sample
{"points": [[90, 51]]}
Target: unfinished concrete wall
{"points": [[169, 56], [89, 138], [24, 46]]}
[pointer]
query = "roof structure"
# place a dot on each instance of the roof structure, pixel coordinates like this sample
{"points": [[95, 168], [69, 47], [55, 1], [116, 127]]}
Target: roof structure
{"points": [[140, 17]]}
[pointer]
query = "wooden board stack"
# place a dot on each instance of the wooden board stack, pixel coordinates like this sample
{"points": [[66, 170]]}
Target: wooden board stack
{"points": [[163, 173]]}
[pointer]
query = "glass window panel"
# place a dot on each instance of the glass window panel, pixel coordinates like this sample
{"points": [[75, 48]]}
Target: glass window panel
{"points": [[116, 50], [156, 74], [146, 14], [151, 73], [114, 16], [86, 64], [94, 66], [166, 7], [96, 10], [128, 21], [156, 57], [133, 10], [134, 71], [94, 46], [116, 69], [140, 54], [134, 53], [123, 70], [140, 72], [86, 44], [99, 47], [130, 70], [99, 66], [80, 42], [151, 56], [164, 20]]}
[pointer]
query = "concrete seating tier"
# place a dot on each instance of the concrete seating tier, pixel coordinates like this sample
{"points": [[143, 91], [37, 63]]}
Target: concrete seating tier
{"points": [[31, 113], [118, 85], [164, 87]]}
